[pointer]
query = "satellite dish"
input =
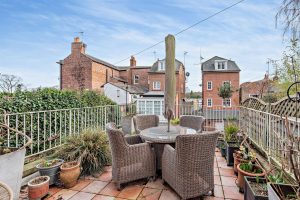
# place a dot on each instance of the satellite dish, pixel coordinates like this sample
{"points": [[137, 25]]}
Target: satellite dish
{"points": [[187, 74]]}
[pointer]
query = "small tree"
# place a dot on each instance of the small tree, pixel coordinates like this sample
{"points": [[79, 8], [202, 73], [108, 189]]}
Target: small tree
{"points": [[225, 91], [9, 83]]}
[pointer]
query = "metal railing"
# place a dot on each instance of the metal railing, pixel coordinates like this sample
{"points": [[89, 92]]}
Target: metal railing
{"points": [[47, 129]]}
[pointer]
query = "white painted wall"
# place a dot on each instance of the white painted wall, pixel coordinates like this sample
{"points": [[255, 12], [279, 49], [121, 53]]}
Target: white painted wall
{"points": [[111, 92]]}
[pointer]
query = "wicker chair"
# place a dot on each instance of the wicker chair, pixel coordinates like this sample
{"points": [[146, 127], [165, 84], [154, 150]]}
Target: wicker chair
{"points": [[142, 122], [5, 192], [131, 159], [192, 121], [189, 168]]}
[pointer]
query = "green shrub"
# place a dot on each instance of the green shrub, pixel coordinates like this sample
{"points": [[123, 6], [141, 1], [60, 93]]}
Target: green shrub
{"points": [[175, 121], [231, 131], [91, 147]]}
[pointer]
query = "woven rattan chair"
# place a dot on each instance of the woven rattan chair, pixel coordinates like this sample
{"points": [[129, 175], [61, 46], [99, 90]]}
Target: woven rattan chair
{"points": [[142, 122], [192, 121], [189, 168], [131, 159], [5, 192]]}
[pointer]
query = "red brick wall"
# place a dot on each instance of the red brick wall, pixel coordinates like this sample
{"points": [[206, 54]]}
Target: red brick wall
{"points": [[143, 76], [217, 79], [99, 73]]}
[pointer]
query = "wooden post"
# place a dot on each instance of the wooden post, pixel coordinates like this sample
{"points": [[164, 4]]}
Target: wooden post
{"points": [[170, 79]]}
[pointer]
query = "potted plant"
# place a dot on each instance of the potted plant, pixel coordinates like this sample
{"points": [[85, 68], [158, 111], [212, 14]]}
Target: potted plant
{"points": [[12, 160], [255, 188], [248, 169], [223, 148], [69, 173], [50, 168], [241, 156], [38, 187], [231, 131]]}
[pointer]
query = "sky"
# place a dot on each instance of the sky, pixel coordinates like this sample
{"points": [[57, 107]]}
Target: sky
{"points": [[35, 34]]}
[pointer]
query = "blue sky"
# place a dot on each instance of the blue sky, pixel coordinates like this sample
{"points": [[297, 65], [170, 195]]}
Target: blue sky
{"points": [[35, 34]]}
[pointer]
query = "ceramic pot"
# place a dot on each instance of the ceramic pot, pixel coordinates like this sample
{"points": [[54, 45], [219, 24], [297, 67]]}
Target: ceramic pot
{"points": [[38, 187], [242, 173], [238, 160], [52, 171], [69, 173]]}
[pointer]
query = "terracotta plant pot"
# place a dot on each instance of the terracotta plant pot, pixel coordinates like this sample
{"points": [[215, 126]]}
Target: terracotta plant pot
{"points": [[69, 173], [242, 173], [38, 187], [238, 160]]}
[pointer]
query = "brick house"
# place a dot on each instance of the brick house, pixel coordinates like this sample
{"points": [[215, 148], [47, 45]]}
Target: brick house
{"points": [[80, 71], [215, 72]]}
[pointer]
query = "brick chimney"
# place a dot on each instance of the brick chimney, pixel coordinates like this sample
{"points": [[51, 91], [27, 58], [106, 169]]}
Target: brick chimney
{"points": [[132, 61], [78, 46]]}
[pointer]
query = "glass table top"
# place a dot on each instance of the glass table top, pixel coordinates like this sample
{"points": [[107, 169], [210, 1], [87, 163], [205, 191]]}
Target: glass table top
{"points": [[160, 134]]}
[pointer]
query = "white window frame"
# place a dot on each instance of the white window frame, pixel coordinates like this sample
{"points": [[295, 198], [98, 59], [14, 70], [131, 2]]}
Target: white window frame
{"points": [[136, 77], [211, 102], [156, 87], [229, 103], [221, 61], [211, 85]]}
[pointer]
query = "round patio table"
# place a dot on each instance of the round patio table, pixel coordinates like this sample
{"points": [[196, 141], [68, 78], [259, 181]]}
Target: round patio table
{"points": [[159, 136]]}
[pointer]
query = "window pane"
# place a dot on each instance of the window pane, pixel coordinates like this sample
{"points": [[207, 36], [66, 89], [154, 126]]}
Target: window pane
{"points": [[149, 107], [141, 107], [157, 108]]}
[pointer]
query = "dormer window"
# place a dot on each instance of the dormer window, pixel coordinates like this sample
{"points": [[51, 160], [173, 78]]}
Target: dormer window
{"points": [[161, 66], [221, 64]]}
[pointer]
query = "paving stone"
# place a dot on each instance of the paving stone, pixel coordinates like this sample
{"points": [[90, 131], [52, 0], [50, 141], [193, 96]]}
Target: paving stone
{"points": [[169, 195], [95, 187], [157, 184], [105, 176], [82, 183], [65, 194], [227, 172], [217, 180], [232, 193], [228, 181], [150, 194], [83, 196], [102, 197], [110, 190]]}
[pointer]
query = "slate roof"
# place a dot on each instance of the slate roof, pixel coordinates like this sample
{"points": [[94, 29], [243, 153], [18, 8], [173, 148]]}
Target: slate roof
{"points": [[97, 60], [121, 68], [209, 65], [154, 67], [132, 89]]}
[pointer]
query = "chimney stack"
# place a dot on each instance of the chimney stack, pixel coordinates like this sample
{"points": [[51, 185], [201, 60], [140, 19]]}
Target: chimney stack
{"points": [[132, 61], [78, 46]]}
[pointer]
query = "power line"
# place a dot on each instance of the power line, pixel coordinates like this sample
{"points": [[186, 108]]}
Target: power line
{"points": [[183, 30]]}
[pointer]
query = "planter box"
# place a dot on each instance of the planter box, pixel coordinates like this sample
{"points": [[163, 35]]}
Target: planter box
{"points": [[285, 188], [52, 172], [249, 194], [231, 147], [127, 124], [11, 170]]}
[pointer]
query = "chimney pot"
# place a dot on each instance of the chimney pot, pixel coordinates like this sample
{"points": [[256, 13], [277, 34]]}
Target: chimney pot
{"points": [[76, 39], [132, 61]]}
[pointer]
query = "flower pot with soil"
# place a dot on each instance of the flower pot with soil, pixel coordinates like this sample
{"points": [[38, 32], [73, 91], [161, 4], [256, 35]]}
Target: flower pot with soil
{"points": [[278, 191], [231, 131], [231, 147], [38, 187], [248, 169], [255, 188], [12, 160], [69, 173], [50, 168]]}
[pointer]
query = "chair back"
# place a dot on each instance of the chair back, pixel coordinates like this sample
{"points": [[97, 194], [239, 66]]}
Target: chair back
{"points": [[116, 139], [142, 122], [195, 154], [192, 121]]}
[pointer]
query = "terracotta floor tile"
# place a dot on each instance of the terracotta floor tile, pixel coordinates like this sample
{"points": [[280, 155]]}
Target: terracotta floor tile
{"points": [[82, 183], [226, 172], [83, 195], [54, 190], [217, 180], [65, 194], [228, 181], [169, 195], [220, 159], [95, 187], [107, 168], [157, 184], [232, 193], [102, 197], [224, 165], [131, 192], [105, 176], [218, 191], [110, 190], [216, 171], [149, 194]]}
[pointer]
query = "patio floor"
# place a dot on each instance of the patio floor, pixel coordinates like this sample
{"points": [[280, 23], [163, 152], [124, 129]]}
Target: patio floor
{"points": [[102, 188]]}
